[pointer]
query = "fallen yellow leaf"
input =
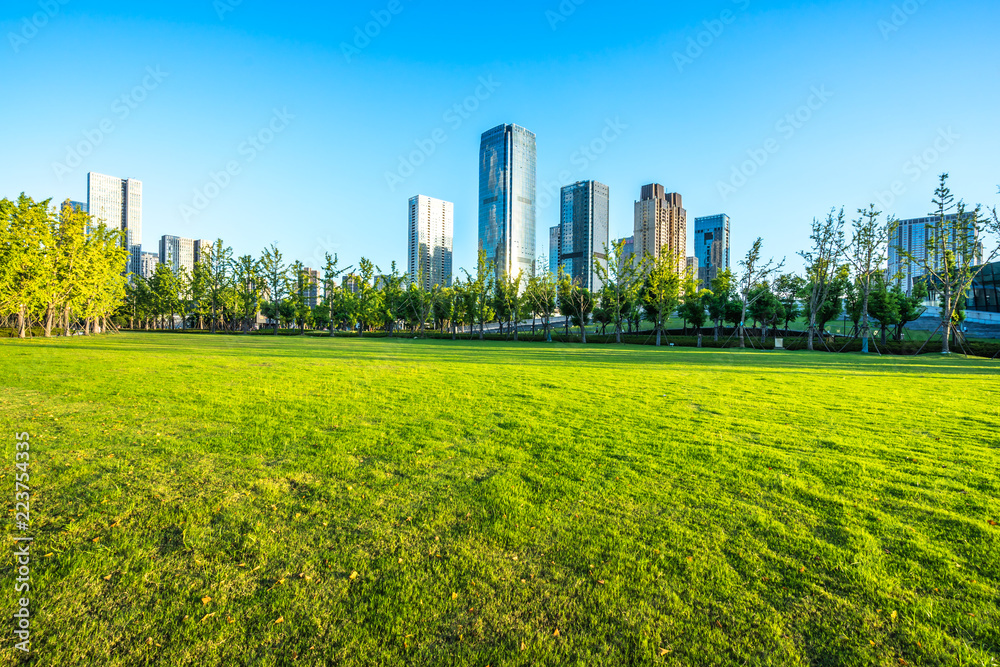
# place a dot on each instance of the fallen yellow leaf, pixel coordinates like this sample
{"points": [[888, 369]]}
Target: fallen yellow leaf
{"points": [[281, 619], [206, 600], [354, 575]]}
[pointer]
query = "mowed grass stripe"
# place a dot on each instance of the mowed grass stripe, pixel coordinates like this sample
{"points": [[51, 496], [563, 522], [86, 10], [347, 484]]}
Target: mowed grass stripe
{"points": [[434, 503]]}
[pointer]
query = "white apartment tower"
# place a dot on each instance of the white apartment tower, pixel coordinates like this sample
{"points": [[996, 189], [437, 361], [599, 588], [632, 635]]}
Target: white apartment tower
{"points": [[117, 203], [431, 235]]}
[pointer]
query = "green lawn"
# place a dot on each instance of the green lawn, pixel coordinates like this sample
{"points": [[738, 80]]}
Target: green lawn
{"points": [[254, 501]]}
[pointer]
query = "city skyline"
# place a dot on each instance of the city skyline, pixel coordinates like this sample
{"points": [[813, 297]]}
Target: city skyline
{"points": [[840, 126]]}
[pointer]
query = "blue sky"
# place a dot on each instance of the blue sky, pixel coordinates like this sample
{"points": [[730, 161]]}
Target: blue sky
{"points": [[885, 93]]}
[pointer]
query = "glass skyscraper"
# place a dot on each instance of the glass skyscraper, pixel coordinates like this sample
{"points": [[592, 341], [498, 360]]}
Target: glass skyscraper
{"points": [[584, 226], [711, 247], [117, 203], [555, 239], [507, 199]]}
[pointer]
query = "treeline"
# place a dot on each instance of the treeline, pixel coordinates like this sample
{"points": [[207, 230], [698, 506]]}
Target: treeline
{"points": [[58, 270]]}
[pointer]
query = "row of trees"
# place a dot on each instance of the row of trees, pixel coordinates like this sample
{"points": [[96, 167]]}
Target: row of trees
{"points": [[57, 269]]}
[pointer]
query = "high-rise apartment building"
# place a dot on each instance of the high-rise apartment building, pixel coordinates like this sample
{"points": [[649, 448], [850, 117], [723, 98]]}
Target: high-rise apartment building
{"points": [[311, 287], [711, 246], [351, 283], [201, 251], [117, 203], [177, 253], [555, 239], [661, 224], [148, 261], [911, 237], [431, 237], [628, 249], [584, 231], [692, 267], [507, 175]]}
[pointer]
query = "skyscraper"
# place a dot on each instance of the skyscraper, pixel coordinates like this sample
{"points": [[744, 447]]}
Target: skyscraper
{"points": [[117, 203], [711, 246], [584, 231], [148, 262], [507, 199], [201, 250], [692, 267], [911, 237], [661, 222], [555, 238], [431, 236], [177, 253], [628, 250]]}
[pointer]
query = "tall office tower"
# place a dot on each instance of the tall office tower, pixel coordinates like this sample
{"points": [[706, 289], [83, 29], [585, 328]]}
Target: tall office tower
{"points": [[711, 246], [911, 237], [507, 199], [692, 267], [661, 222], [177, 253], [584, 225], [555, 239], [117, 203], [431, 237], [148, 262], [79, 206], [201, 250]]}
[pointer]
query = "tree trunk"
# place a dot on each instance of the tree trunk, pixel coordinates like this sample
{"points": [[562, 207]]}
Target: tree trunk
{"points": [[49, 311], [716, 333], [583, 332], [812, 331], [66, 321], [865, 329], [659, 330], [946, 321]]}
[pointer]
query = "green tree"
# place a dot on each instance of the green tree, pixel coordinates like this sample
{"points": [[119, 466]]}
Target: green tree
{"points": [[275, 274], [662, 290], [822, 267], [756, 273], [621, 279]]}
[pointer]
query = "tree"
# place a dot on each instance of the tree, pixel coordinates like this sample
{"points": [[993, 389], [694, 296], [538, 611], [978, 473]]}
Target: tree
{"points": [[391, 301], [478, 293], [951, 253], [755, 273], [576, 303], [867, 253], [275, 275], [908, 308], [219, 259], [766, 308], [720, 297], [544, 296], [621, 279], [662, 290], [249, 287], [787, 288], [822, 265]]}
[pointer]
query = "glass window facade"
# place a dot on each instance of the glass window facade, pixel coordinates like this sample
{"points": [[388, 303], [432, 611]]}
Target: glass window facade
{"points": [[986, 290], [507, 177], [584, 218], [711, 246]]}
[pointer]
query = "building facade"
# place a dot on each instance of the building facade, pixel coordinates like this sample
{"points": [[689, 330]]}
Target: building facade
{"points": [[583, 228], [985, 296], [117, 203], [507, 178], [628, 249], [711, 246], [431, 238], [910, 238], [202, 250], [692, 267], [148, 261], [311, 292], [661, 224], [177, 253], [555, 239]]}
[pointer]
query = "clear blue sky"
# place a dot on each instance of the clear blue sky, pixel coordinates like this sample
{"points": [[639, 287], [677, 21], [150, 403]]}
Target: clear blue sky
{"points": [[898, 85]]}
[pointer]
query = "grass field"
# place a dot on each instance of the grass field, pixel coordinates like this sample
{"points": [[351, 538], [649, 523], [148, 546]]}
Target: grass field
{"points": [[207, 500]]}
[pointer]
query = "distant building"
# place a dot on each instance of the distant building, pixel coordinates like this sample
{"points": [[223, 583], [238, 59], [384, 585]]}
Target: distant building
{"points": [[555, 238], [202, 249], [661, 224], [431, 234], [692, 267], [311, 291], [628, 249], [351, 283], [507, 173], [148, 261], [117, 203], [79, 206], [911, 237], [711, 246], [584, 231], [985, 295], [177, 253]]}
